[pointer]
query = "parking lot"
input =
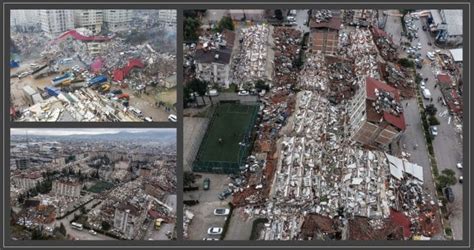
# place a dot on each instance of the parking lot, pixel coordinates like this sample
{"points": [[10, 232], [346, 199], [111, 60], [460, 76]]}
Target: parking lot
{"points": [[204, 211]]}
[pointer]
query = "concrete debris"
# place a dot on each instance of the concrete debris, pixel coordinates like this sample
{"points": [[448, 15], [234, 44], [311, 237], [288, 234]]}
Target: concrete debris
{"points": [[321, 15], [250, 62], [287, 50]]}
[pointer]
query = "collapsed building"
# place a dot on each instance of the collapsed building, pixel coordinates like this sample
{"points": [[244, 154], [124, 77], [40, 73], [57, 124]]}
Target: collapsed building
{"points": [[324, 32], [287, 51], [249, 64]]}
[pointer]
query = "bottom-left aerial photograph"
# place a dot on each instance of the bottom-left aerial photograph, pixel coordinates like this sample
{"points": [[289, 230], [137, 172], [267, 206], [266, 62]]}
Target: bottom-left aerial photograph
{"points": [[93, 184]]}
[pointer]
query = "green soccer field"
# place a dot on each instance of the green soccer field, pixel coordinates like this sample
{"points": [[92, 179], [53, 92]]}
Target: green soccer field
{"points": [[231, 122]]}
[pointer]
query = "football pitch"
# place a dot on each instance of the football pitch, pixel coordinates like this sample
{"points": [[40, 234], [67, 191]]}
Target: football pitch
{"points": [[231, 123]]}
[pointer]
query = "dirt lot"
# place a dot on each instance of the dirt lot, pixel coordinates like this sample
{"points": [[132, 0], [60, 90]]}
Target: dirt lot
{"points": [[194, 129], [204, 211]]}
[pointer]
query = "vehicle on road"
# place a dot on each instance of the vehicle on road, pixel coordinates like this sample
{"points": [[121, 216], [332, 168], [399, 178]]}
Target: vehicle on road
{"points": [[243, 93], [448, 192], [214, 230], [148, 119], [221, 211], [434, 130], [77, 226], [206, 184], [92, 232], [426, 93], [460, 179], [210, 239], [212, 92], [172, 118], [459, 165], [226, 193], [430, 56], [422, 84]]}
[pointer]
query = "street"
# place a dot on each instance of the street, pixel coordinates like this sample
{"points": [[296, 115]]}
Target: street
{"points": [[447, 145]]}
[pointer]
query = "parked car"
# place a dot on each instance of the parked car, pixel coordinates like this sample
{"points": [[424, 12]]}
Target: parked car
{"points": [[172, 118], [221, 211], [448, 192], [210, 239], [92, 232], [434, 130], [148, 119], [214, 230], [212, 92], [243, 93], [459, 165], [422, 84], [460, 179], [226, 193], [206, 183]]}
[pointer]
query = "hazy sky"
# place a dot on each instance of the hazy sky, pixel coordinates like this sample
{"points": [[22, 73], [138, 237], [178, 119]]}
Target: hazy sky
{"points": [[84, 131]]}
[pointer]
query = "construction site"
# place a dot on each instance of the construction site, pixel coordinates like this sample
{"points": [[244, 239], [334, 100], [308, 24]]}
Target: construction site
{"points": [[93, 73], [328, 160]]}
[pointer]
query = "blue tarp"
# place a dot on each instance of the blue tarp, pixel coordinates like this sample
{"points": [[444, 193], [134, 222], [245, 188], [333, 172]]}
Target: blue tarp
{"points": [[52, 91], [97, 80], [14, 64]]}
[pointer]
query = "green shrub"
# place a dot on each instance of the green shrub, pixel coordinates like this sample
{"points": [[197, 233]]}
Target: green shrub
{"points": [[407, 63]]}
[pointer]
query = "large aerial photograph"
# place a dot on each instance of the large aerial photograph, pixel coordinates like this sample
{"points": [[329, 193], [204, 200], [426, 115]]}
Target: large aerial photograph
{"points": [[93, 65], [323, 124], [93, 184]]}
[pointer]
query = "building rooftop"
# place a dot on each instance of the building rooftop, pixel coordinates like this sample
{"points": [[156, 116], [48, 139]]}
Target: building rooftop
{"points": [[453, 19], [386, 98], [333, 23]]}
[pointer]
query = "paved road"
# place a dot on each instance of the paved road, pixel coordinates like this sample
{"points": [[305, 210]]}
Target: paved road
{"points": [[448, 144], [301, 19], [414, 133], [239, 228]]}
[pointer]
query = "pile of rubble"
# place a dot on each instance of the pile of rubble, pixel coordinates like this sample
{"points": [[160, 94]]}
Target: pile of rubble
{"points": [[359, 46], [342, 79], [400, 78], [187, 218], [250, 62], [81, 105], [287, 47], [321, 15], [314, 75]]}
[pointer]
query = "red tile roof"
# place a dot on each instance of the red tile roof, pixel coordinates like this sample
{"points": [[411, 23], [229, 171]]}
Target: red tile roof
{"points": [[444, 78], [401, 220], [371, 85], [334, 23]]}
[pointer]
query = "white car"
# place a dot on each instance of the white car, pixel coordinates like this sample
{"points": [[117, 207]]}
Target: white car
{"points": [[422, 84], [243, 93], [214, 230], [210, 239], [148, 119], [212, 92], [221, 211], [459, 165], [92, 232], [430, 56], [172, 118]]}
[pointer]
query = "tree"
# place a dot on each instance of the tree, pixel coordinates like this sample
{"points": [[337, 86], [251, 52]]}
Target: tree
{"points": [[225, 23], [105, 225], [187, 96], [279, 14], [447, 178], [260, 84], [62, 229], [433, 121], [431, 110], [188, 178], [200, 87], [191, 26]]}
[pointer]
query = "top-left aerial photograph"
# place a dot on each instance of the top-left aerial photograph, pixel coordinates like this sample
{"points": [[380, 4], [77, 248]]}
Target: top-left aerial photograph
{"points": [[93, 65]]}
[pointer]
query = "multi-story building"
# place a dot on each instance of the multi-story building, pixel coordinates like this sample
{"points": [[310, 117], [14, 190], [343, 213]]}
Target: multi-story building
{"points": [[67, 188], [117, 20], [213, 61], [446, 26], [24, 17], [55, 22], [167, 16], [376, 116], [27, 180], [90, 19], [126, 219]]}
